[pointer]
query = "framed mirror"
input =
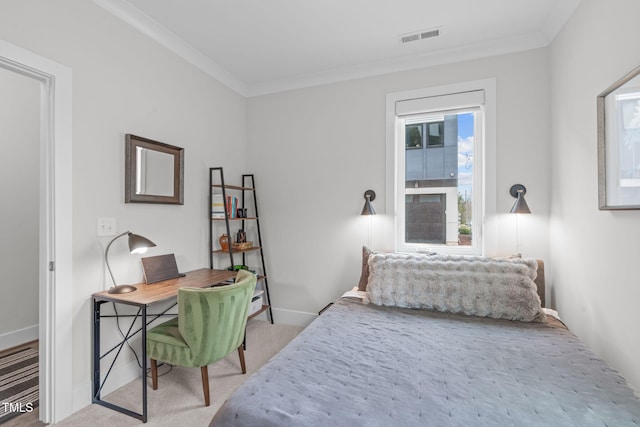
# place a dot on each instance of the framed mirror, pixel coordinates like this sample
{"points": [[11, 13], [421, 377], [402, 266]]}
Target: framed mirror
{"points": [[154, 172], [618, 110]]}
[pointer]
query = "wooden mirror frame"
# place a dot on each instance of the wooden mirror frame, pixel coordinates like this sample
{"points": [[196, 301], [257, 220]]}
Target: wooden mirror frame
{"points": [[132, 142], [607, 165]]}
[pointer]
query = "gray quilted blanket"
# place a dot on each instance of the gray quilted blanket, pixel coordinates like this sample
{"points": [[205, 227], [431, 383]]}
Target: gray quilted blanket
{"points": [[366, 365]]}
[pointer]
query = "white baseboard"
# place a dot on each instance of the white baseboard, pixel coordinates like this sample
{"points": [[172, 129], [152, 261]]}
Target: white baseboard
{"points": [[292, 317], [81, 396], [21, 336]]}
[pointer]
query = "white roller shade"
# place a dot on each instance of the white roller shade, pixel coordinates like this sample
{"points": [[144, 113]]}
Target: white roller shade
{"points": [[438, 103]]}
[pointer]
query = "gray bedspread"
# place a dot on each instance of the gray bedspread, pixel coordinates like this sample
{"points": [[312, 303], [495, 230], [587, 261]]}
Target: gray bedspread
{"points": [[366, 365]]}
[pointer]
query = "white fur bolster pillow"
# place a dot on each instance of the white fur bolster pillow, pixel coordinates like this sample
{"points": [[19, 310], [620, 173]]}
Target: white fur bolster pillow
{"points": [[471, 285]]}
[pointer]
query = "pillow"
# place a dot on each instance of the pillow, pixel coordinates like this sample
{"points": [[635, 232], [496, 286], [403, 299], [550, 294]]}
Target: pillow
{"points": [[366, 252], [364, 276], [538, 280], [478, 286]]}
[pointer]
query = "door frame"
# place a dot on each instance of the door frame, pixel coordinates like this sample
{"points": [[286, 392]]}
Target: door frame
{"points": [[55, 252]]}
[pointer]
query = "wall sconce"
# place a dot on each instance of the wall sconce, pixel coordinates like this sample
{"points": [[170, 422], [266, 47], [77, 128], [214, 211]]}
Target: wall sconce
{"points": [[137, 245], [368, 209], [519, 207]]}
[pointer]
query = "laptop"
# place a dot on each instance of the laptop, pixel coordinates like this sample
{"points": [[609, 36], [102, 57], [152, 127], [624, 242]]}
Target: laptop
{"points": [[159, 268]]}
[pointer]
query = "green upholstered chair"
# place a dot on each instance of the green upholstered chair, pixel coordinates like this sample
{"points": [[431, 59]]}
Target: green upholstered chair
{"points": [[210, 324]]}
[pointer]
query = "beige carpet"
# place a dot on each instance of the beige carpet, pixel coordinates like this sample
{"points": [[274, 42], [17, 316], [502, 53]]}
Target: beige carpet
{"points": [[179, 400]]}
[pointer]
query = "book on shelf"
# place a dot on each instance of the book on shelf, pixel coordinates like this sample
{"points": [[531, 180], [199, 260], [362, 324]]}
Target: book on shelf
{"points": [[232, 206], [217, 206]]}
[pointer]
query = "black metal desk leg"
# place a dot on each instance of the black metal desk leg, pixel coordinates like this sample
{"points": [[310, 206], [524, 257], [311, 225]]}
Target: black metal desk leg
{"points": [[96, 351], [144, 364], [98, 383]]}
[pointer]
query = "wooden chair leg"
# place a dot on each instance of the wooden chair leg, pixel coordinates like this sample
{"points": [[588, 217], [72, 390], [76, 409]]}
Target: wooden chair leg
{"points": [[205, 384], [241, 354], [154, 374]]}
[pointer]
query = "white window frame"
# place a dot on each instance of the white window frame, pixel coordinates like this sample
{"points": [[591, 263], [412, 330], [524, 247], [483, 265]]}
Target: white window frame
{"points": [[484, 202]]}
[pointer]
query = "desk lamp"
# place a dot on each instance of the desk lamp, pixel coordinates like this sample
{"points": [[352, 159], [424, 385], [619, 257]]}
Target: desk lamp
{"points": [[137, 245]]}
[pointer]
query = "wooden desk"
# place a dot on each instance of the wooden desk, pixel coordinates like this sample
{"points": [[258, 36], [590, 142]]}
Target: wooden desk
{"points": [[167, 289], [144, 296]]}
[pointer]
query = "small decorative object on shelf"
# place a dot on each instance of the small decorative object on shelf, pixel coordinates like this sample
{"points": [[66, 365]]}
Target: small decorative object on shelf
{"points": [[256, 302], [241, 246], [224, 242], [240, 267], [230, 204]]}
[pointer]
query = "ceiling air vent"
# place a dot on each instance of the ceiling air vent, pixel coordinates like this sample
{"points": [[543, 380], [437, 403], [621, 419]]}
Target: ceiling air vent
{"points": [[419, 35]]}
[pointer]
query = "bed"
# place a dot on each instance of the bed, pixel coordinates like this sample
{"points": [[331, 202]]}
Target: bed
{"points": [[365, 362]]}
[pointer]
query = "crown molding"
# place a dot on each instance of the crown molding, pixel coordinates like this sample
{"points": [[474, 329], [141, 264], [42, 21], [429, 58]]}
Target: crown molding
{"points": [[143, 23], [404, 63]]}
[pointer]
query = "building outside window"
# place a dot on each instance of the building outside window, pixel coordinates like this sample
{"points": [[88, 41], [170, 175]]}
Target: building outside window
{"points": [[438, 179]]}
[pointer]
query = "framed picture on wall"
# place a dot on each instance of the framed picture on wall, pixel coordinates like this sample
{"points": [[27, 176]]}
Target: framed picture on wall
{"points": [[154, 171]]}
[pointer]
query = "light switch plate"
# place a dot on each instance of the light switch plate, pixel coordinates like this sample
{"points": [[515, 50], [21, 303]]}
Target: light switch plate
{"points": [[106, 227]]}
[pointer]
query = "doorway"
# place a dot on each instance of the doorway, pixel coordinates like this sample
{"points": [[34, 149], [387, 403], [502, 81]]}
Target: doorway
{"points": [[19, 228], [19, 181], [54, 217]]}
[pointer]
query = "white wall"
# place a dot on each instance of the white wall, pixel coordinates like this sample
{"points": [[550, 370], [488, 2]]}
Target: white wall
{"points": [[594, 253], [125, 83], [315, 151], [19, 180]]}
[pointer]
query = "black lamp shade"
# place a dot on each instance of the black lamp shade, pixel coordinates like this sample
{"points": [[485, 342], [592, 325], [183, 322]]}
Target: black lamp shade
{"points": [[368, 209], [520, 206], [139, 244]]}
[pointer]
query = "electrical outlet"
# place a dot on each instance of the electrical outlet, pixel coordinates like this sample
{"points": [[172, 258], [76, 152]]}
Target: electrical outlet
{"points": [[106, 227]]}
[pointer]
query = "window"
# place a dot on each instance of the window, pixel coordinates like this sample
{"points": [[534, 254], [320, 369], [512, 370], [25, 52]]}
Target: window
{"points": [[435, 133], [425, 134], [438, 151]]}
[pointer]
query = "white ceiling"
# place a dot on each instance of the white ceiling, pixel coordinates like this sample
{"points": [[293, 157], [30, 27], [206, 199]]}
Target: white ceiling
{"points": [[260, 46]]}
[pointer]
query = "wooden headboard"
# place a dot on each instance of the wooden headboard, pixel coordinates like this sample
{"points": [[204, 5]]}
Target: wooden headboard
{"points": [[540, 281]]}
